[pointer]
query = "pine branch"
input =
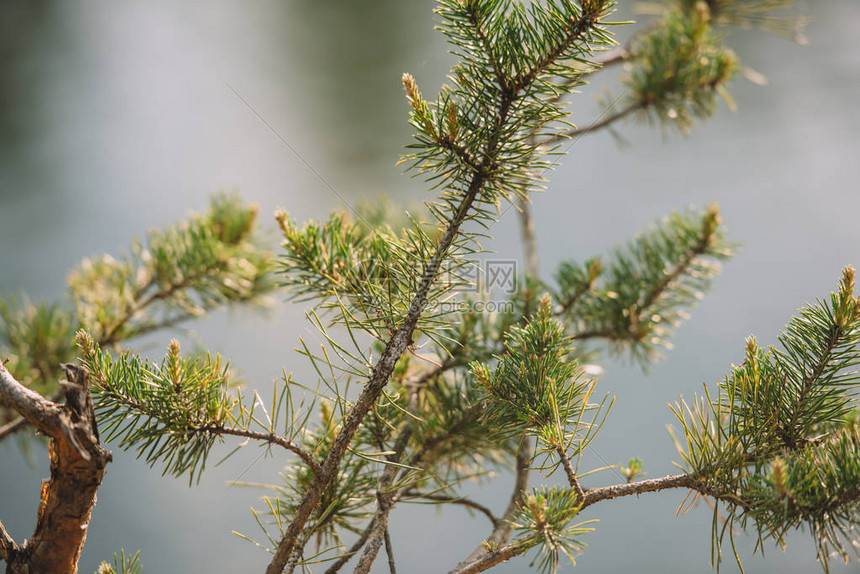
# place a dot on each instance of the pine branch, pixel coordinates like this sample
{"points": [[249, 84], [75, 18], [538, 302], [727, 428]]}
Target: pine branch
{"points": [[185, 271], [597, 125], [503, 528], [490, 559], [403, 336], [477, 143], [385, 499], [571, 474], [781, 437], [353, 550], [790, 433], [580, 25], [595, 495], [644, 289], [180, 272], [389, 551], [495, 555], [468, 503], [487, 46], [820, 347], [173, 412], [21, 423], [376, 383], [8, 548], [266, 437]]}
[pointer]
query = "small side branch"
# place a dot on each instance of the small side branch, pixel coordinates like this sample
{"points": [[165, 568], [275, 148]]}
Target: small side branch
{"points": [[427, 376], [448, 143], [270, 438], [490, 559], [389, 551], [377, 534], [12, 427], [459, 501], [613, 57], [578, 29], [7, 545], [385, 500], [527, 233], [488, 47], [596, 495], [493, 558], [20, 423], [33, 407], [571, 474], [597, 125], [141, 303], [353, 550], [503, 528]]}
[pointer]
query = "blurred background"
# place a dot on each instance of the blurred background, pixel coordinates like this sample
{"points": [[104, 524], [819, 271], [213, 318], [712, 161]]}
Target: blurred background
{"points": [[119, 116]]}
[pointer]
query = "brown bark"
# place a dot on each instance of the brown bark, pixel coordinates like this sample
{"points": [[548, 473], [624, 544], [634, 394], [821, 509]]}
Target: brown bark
{"points": [[78, 464]]}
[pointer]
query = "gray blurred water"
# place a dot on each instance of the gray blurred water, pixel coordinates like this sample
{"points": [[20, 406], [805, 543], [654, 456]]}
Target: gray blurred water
{"points": [[115, 117]]}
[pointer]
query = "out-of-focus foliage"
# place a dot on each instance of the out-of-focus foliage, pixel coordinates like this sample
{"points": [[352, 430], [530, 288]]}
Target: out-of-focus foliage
{"points": [[637, 297], [178, 273]]}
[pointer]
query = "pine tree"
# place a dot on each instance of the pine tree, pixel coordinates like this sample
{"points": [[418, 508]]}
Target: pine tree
{"points": [[448, 390]]}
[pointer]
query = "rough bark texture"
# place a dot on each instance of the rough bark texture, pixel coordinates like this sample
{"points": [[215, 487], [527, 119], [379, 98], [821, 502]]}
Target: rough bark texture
{"points": [[78, 464]]}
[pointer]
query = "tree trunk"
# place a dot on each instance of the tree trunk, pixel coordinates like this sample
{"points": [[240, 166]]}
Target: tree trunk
{"points": [[78, 464]]}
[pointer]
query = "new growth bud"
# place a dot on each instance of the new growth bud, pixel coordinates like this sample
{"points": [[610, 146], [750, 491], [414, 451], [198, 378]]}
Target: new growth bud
{"points": [[711, 221], [778, 477], [420, 109], [453, 126], [85, 342], [411, 90]]}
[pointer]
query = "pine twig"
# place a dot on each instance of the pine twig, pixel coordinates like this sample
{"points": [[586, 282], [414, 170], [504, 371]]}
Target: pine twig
{"points": [[389, 550], [571, 474], [8, 548], [468, 503], [353, 550], [495, 557], [113, 336], [490, 559], [597, 125], [596, 495], [20, 423], [385, 502], [270, 438], [503, 527]]}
